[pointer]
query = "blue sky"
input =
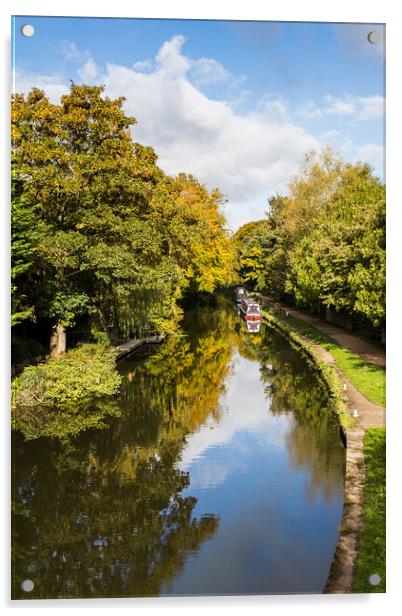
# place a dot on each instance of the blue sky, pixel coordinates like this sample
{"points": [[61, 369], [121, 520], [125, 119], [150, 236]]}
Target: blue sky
{"points": [[235, 103]]}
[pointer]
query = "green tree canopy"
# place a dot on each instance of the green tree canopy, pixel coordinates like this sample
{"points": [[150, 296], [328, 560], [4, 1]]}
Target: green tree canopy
{"points": [[119, 240], [322, 245]]}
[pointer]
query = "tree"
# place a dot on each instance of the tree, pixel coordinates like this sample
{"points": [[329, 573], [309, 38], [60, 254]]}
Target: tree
{"points": [[92, 185], [323, 245], [247, 241], [340, 264], [120, 241], [25, 234], [202, 244], [261, 247]]}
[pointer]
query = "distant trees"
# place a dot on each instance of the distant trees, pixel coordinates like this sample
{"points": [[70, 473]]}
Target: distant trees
{"points": [[323, 246], [98, 228], [250, 240]]}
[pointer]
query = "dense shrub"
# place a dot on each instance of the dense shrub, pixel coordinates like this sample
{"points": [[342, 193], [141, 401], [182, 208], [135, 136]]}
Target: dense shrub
{"points": [[85, 372]]}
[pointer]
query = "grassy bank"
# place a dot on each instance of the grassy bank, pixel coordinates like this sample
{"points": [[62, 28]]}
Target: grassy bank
{"points": [[367, 378], [371, 554]]}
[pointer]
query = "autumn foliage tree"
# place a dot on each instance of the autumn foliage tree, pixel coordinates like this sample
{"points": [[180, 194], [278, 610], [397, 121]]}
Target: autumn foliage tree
{"points": [[323, 245], [119, 240]]}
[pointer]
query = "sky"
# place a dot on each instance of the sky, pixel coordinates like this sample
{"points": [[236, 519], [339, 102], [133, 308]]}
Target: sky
{"points": [[235, 103]]}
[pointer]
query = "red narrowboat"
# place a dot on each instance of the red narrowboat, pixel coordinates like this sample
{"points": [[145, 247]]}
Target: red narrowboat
{"points": [[250, 310]]}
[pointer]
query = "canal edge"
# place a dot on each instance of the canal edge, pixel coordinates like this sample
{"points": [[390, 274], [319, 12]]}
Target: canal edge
{"points": [[341, 572], [130, 346]]}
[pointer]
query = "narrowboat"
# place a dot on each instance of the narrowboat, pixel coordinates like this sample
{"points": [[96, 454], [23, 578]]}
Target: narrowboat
{"points": [[252, 326], [240, 294], [249, 309]]}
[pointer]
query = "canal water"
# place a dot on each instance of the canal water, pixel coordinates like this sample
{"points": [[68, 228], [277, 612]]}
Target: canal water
{"points": [[221, 473]]}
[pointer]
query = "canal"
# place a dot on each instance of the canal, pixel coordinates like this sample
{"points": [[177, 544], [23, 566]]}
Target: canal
{"points": [[221, 473]]}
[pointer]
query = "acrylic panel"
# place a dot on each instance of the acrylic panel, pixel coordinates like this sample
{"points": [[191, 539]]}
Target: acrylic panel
{"points": [[198, 307]]}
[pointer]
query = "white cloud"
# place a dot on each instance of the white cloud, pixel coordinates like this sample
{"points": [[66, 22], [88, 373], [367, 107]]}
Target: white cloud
{"points": [[357, 108], [310, 111], [373, 154], [226, 435], [337, 106], [70, 51], [143, 65], [247, 156], [206, 71], [170, 60], [338, 141], [273, 108], [331, 136], [89, 72], [53, 85], [239, 102], [372, 107]]}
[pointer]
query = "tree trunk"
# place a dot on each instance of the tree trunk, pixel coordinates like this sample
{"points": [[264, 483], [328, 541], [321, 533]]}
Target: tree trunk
{"points": [[58, 340]]}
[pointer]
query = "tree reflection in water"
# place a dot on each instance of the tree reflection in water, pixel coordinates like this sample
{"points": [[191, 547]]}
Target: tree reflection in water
{"points": [[312, 441], [103, 514], [83, 529]]}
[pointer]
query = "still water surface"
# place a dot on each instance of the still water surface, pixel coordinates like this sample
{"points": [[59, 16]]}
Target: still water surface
{"points": [[223, 475]]}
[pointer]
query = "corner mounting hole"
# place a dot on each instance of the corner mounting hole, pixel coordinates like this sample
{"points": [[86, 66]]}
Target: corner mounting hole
{"points": [[27, 30], [374, 579], [27, 585], [373, 37]]}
